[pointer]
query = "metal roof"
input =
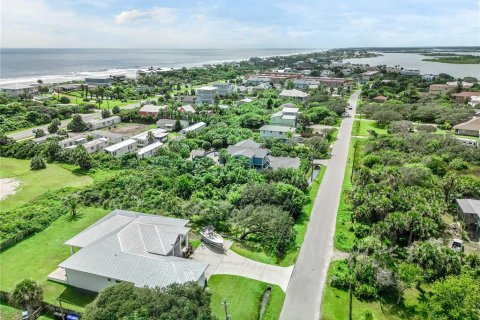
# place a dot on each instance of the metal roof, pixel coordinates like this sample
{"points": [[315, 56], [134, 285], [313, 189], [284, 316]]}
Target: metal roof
{"points": [[276, 128], [150, 147], [248, 144], [120, 145], [472, 124], [470, 206], [151, 108], [133, 246]]}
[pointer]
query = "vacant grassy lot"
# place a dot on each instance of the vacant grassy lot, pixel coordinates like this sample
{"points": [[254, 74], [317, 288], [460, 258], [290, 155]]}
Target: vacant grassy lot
{"points": [[362, 126], [37, 256], [300, 228], [243, 298], [35, 183]]}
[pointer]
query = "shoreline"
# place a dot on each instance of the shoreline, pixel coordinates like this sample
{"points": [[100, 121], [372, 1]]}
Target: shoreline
{"points": [[129, 72]]}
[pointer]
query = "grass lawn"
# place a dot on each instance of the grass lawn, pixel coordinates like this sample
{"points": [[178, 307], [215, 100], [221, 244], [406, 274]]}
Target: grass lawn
{"points": [[335, 304], [362, 126], [243, 298], [35, 183], [9, 313], [37, 256], [76, 97], [300, 229]]}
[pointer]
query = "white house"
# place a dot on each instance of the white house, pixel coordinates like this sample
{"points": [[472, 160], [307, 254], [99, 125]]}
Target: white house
{"points": [[72, 142], [294, 94], [169, 124], [244, 101], [102, 123], [326, 73], [474, 100], [206, 94], [13, 90], [149, 150], [193, 128], [223, 88], [273, 131], [410, 72], [125, 246], [429, 76], [255, 81], [303, 84], [158, 135], [122, 148], [96, 145], [286, 117], [110, 136]]}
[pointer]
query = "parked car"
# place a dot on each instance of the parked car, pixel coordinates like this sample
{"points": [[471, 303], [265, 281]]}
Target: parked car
{"points": [[457, 245]]}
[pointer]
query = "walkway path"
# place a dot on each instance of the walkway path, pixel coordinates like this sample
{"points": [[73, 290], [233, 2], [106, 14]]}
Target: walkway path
{"points": [[304, 293], [234, 264]]}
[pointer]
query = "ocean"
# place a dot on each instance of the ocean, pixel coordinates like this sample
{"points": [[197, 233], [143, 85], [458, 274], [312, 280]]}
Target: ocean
{"points": [[56, 65]]}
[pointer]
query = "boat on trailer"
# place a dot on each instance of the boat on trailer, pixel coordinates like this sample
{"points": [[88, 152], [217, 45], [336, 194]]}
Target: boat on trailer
{"points": [[211, 237]]}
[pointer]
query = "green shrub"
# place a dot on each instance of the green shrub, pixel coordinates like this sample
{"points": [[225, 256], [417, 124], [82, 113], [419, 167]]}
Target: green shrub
{"points": [[37, 163]]}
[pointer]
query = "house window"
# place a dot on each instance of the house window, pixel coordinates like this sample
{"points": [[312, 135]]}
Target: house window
{"points": [[109, 279]]}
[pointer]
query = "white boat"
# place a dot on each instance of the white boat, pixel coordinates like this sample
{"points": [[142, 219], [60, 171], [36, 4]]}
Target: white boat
{"points": [[211, 237]]}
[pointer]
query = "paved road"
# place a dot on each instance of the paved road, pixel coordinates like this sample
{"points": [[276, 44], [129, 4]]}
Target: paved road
{"points": [[232, 263], [304, 292], [28, 133]]}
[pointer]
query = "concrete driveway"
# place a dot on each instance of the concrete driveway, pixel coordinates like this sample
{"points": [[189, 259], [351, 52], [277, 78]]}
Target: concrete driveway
{"points": [[229, 262]]}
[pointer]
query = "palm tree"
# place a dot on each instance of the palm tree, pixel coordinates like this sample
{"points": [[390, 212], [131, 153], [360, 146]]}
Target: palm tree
{"points": [[71, 204], [27, 294], [150, 137]]}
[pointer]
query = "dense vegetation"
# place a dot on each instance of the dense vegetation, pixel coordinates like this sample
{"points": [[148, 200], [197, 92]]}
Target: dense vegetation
{"points": [[404, 186], [124, 301], [458, 59]]}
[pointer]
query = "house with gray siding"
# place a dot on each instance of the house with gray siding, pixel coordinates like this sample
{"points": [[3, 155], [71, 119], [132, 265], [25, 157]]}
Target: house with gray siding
{"points": [[102, 123], [111, 136], [469, 212], [169, 124], [149, 150], [279, 132], [125, 246], [122, 148], [96, 145], [193, 128], [252, 151]]}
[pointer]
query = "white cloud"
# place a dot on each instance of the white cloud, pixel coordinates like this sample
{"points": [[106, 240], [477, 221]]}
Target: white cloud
{"points": [[162, 15]]}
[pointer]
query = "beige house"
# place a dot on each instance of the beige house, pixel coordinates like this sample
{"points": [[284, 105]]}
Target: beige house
{"points": [[294, 94], [469, 128]]}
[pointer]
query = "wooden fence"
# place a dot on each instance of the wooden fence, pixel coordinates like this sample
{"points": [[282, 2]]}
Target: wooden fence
{"points": [[12, 241]]}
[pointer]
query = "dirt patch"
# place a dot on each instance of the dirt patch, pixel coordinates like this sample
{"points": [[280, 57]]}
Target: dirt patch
{"points": [[8, 187]]}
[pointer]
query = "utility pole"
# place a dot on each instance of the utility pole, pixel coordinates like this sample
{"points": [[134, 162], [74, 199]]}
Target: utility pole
{"points": [[227, 316]]}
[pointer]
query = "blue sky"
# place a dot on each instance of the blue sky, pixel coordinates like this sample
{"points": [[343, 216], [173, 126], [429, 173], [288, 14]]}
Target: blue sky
{"points": [[239, 23]]}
